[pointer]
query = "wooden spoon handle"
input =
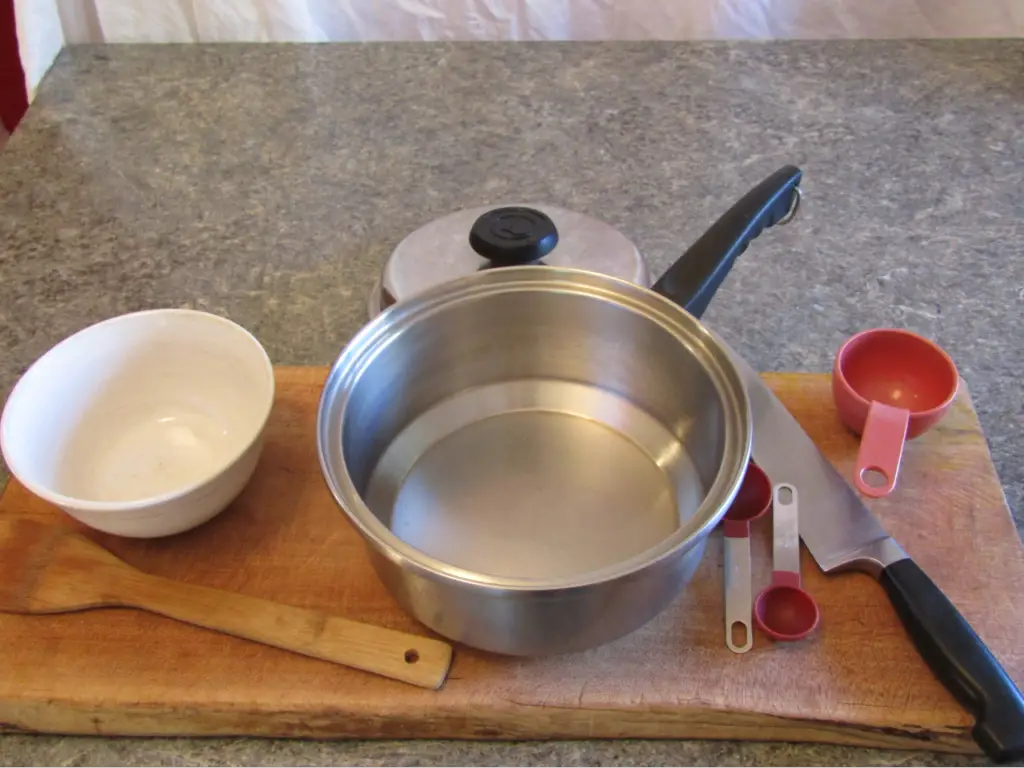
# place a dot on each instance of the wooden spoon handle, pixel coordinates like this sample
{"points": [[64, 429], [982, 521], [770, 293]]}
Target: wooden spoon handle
{"points": [[413, 659]]}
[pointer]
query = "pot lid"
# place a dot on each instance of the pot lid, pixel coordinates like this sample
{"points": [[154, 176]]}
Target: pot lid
{"points": [[487, 237]]}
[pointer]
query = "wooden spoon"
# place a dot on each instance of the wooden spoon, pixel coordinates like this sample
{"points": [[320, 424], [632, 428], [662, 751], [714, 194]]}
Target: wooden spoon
{"points": [[52, 569]]}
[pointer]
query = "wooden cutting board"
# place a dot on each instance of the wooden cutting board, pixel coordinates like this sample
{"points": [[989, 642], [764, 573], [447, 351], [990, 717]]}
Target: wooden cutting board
{"points": [[859, 681]]}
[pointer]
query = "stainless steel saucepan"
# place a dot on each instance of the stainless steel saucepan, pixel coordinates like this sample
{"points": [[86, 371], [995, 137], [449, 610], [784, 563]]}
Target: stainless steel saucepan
{"points": [[535, 455]]}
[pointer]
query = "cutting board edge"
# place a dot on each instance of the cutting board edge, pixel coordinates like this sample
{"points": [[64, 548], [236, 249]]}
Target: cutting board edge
{"points": [[67, 719]]}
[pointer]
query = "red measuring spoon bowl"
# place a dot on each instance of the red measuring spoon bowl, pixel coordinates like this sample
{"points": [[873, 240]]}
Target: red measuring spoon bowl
{"points": [[889, 386], [784, 611], [752, 500]]}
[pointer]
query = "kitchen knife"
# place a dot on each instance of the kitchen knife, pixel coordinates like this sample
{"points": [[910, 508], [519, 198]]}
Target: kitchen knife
{"points": [[842, 534]]}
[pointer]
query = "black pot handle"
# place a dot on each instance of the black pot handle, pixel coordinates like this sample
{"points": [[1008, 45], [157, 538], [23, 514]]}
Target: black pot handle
{"points": [[695, 277]]}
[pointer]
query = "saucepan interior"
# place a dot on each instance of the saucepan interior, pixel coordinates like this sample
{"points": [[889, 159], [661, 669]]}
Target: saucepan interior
{"points": [[534, 426]]}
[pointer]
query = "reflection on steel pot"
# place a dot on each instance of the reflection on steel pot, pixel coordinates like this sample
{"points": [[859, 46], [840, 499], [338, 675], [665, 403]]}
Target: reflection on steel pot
{"points": [[535, 455]]}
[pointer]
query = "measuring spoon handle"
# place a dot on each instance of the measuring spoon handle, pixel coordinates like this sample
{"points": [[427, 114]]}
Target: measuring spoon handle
{"points": [[785, 529], [738, 592]]}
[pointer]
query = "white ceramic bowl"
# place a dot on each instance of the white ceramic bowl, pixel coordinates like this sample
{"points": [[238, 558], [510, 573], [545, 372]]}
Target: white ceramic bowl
{"points": [[143, 425]]}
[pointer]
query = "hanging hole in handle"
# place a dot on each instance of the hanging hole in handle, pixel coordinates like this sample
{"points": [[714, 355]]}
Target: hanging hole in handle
{"points": [[785, 494], [739, 637], [875, 477], [412, 656], [791, 213]]}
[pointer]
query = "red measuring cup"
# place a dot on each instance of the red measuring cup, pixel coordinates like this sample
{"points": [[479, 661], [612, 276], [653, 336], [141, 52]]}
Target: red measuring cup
{"points": [[889, 386], [753, 500], [784, 610]]}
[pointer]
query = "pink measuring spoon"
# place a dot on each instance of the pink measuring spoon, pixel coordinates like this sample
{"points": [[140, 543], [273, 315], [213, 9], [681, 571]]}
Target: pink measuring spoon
{"points": [[784, 610], [753, 500]]}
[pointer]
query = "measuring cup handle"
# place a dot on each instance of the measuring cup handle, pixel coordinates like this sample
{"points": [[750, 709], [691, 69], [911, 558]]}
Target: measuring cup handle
{"points": [[959, 659], [881, 448]]}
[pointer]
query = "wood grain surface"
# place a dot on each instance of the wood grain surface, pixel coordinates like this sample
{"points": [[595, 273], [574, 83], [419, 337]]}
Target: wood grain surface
{"points": [[858, 681], [46, 568]]}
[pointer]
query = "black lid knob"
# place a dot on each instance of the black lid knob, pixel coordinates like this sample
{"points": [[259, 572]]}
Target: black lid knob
{"points": [[513, 235]]}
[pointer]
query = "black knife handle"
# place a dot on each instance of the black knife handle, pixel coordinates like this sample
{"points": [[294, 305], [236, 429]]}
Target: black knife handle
{"points": [[959, 659]]}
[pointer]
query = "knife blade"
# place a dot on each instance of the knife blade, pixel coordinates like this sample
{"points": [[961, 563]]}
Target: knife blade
{"points": [[849, 536], [842, 534]]}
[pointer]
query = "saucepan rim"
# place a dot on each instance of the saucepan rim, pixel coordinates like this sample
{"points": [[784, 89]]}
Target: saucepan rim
{"points": [[388, 326]]}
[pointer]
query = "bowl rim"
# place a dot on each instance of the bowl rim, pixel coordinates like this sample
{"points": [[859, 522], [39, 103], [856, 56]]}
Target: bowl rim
{"points": [[842, 357], [113, 507]]}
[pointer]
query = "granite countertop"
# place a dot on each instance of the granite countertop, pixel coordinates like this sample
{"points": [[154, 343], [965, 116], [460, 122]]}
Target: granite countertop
{"points": [[268, 183]]}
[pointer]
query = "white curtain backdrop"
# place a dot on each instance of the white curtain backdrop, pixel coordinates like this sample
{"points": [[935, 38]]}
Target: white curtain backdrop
{"points": [[46, 25], [40, 38]]}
